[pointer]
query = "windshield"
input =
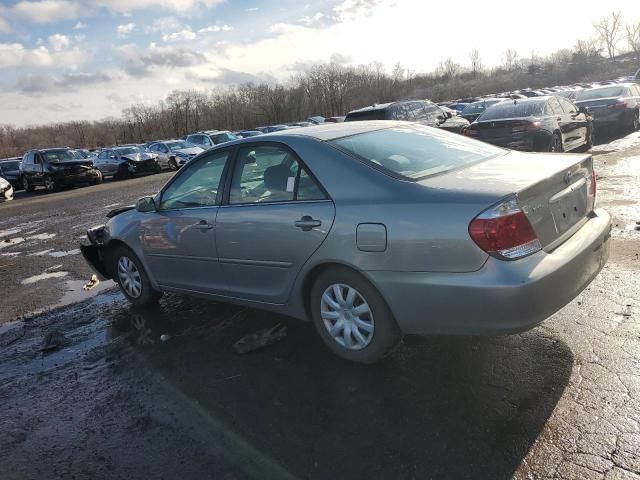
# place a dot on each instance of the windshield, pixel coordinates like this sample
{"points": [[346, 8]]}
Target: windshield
{"points": [[415, 151], [223, 137], [513, 110], [55, 156], [179, 145], [600, 93], [478, 107], [128, 150]]}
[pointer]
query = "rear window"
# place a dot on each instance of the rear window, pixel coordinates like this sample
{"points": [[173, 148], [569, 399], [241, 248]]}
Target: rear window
{"points": [[479, 107], [415, 151], [366, 115], [600, 93], [513, 110], [10, 166]]}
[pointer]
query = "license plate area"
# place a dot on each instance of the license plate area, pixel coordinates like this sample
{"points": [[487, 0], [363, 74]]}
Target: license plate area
{"points": [[569, 206]]}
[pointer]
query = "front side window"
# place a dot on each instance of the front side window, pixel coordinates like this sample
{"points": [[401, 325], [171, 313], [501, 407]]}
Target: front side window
{"points": [[415, 151], [270, 174], [197, 186], [603, 92]]}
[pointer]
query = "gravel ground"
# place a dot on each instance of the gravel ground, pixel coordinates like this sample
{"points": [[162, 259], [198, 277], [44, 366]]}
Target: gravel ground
{"points": [[559, 401]]}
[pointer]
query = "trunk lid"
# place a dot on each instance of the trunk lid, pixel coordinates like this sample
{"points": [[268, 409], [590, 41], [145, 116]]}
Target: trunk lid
{"points": [[555, 191], [597, 104]]}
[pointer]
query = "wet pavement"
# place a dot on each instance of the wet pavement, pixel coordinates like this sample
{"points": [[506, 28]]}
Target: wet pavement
{"points": [[116, 401]]}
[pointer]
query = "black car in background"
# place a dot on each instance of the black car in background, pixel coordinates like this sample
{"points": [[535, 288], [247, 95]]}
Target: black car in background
{"points": [[210, 138], [537, 124], [419, 111], [612, 106], [54, 168], [10, 171], [126, 161], [473, 110]]}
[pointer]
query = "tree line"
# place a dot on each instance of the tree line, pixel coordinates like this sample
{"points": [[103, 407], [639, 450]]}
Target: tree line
{"points": [[334, 89]]}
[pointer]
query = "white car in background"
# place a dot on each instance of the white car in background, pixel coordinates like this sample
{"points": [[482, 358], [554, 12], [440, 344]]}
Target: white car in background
{"points": [[6, 190]]}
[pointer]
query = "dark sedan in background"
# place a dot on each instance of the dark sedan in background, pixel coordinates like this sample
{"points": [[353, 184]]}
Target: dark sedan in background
{"points": [[473, 110], [54, 168], [423, 112], [126, 161], [537, 124], [10, 171], [612, 106]]}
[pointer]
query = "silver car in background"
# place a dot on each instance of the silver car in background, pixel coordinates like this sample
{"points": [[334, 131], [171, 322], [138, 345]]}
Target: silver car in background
{"points": [[371, 230], [173, 154]]}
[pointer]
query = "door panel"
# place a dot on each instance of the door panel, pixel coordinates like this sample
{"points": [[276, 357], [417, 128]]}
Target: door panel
{"points": [[262, 250], [180, 248]]}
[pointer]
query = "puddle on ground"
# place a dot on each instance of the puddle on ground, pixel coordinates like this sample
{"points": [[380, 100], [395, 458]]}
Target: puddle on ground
{"points": [[75, 293], [43, 276]]}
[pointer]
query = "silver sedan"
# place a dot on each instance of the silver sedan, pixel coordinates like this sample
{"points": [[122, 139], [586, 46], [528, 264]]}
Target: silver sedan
{"points": [[371, 230]]}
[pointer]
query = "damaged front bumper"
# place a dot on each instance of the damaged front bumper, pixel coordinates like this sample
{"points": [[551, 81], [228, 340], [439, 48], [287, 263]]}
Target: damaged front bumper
{"points": [[95, 254]]}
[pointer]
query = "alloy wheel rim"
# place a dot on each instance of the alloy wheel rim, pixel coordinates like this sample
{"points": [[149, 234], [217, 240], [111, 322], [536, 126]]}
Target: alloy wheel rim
{"points": [[48, 183], [347, 316], [129, 276]]}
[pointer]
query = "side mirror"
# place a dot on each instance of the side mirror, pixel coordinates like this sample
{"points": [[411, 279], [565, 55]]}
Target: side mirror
{"points": [[145, 205]]}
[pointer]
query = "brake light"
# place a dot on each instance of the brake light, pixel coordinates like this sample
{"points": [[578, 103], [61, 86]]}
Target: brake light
{"points": [[527, 126], [468, 132], [505, 230]]}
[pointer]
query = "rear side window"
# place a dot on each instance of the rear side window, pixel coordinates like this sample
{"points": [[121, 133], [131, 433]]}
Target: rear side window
{"points": [[513, 110], [415, 151]]}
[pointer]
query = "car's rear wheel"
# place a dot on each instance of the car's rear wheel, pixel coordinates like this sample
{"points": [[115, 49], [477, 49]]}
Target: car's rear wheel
{"points": [[27, 185], [351, 316], [635, 122], [556, 144], [50, 184], [128, 272], [173, 164]]}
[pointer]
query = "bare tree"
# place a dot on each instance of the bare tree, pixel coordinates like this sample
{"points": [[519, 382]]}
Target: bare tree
{"points": [[476, 62], [510, 60], [633, 39], [449, 68], [608, 29]]}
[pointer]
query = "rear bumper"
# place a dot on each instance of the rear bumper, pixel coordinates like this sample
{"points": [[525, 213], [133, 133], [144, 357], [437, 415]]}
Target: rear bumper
{"points": [[607, 118], [501, 297]]}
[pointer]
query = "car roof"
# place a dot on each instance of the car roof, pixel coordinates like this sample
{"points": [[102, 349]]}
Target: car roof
{"points": [[329, 131]]}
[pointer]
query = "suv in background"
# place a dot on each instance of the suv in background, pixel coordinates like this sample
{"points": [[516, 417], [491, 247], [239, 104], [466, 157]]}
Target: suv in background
{"points": [[210, 138], [54, 168], [419, 111], [10, 171], [174, 153]]}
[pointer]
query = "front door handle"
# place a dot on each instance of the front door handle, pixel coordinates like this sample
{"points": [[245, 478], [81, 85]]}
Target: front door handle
{"points": [[306, 223], [204, 225]]}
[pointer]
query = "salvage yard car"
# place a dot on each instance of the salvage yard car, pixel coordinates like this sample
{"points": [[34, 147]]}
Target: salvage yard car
{"points": [[126, 161], [10, 171], [538, 124], [6, 190], [613, 106], [173, 154], [55, 168], [419, 111], [371, 230]]}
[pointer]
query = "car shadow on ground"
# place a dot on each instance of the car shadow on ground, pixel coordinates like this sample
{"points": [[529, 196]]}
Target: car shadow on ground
{"points": [[439, 407]]}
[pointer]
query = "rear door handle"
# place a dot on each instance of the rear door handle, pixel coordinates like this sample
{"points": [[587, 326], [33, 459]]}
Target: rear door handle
{"points": [[204, 225], [307, 223]]}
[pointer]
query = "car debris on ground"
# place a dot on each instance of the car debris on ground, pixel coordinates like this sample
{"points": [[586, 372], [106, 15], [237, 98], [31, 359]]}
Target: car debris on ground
{"points": [[260, 339]]}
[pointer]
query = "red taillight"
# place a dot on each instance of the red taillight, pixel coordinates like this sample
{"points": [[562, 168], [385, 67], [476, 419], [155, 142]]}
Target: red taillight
{"points": [[619, 104], [468, 132], [505, 230]]}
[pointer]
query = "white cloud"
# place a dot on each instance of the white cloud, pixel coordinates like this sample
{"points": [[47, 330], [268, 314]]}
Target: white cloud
{"points": [[216, 28], [47, 11], [80, 37], [58, 42], [15, 55], [164, 25], [124, 30], [182, 35], [80, 26], [179, 6], [314, 21], [140, 62], [4, 24], [252, 9]]}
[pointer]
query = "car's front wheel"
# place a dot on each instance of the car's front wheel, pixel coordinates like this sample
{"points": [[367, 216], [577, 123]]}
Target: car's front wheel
{"points": [[351, 316], [635, 122], [173, 164], [50, 184], [128, 272], [556, 144]]}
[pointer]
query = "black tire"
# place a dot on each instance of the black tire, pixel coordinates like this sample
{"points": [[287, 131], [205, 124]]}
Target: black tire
{"points": [[98, 179], [50, 184], [173, 164], [386, 334], [123, 173], [27, 185], [148, 295], [555, 145], [157, 168], [635, 121], [589, 142]]}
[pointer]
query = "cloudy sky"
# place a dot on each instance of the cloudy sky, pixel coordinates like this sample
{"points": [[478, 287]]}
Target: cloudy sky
{"points": [[88, 59]]}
